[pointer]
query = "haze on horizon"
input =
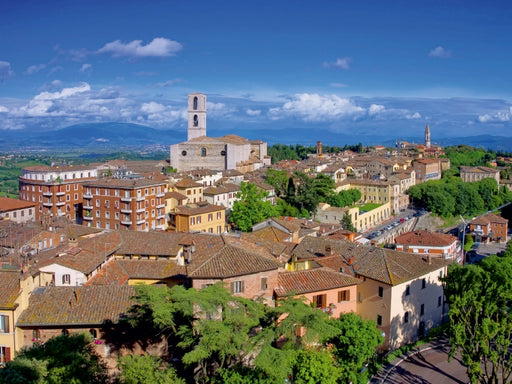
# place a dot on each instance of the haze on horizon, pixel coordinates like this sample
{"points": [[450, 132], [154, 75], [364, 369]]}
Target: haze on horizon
{"points": [[355, 68]]}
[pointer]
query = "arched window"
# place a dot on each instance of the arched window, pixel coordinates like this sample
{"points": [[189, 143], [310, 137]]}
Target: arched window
{"points": [[65, 332], [203, 152], [93, 332], [196, 121], [195, 102]]}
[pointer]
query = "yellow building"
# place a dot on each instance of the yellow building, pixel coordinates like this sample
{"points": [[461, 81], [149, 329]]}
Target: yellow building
{"points": [[198, 217], [189, 188]]}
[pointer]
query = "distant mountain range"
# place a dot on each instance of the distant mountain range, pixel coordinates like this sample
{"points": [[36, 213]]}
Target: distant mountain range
{"points": [[113, 136]]}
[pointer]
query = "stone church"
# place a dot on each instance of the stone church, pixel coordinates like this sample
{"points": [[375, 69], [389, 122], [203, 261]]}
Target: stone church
{"points": [[215, 153]]}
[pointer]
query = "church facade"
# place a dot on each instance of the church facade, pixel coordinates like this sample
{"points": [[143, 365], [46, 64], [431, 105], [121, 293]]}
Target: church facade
{"points": [[216, 153]]}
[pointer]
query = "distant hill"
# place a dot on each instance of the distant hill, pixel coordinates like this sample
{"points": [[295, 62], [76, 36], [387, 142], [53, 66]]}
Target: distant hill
{"points": [[124, 135]]}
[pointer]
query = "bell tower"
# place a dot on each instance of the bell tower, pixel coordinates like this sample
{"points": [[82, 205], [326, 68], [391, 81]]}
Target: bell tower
{"points": [[427, 137], [196, 115]]}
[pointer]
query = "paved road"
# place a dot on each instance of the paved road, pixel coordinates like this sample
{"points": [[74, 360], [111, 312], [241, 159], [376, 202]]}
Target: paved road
{"points": [[430, 365]]}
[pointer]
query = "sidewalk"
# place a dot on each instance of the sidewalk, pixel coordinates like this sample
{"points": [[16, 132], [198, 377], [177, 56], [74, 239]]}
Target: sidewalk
{"points": [[441, 342]]}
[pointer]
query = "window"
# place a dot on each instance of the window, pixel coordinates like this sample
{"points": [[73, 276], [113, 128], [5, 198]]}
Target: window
{"points": [[36, 335], [192, 220], [219, 215], [210, 217], [93, 332], [381, 291], [422, 309], [407, 290], [107, 215], [406, 317], [5, 354], [264, 283], [320, 301], [4, 324], [198, 219], [97, 202], [423, 283], [196, 121], [343, 295], [66, 278], [195, 102], [237, 286], [379, 320], [439, 301], [203, 152]]}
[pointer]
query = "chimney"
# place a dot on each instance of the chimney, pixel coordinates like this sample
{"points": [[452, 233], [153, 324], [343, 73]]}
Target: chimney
{"points": [[429, 259]]}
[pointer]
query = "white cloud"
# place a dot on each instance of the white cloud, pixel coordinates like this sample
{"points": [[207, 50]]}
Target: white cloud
{"points": [[314, 107], [415, 115], [152, 107], [169, 83], [440, 52], [3, 109], [158, 47], [66, 92], [85, 67], [35, 68], [375, 109], [5, 70], [253, 112], [341, 63], [497, 117]]}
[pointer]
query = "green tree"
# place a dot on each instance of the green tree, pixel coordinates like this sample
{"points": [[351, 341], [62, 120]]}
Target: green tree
{"points": [[61, 360], [251, 207], [311, 367], [277, 179], [346, 221], [310, 191], [354, 347], [468, 242], [480, 298], [147, 369]]}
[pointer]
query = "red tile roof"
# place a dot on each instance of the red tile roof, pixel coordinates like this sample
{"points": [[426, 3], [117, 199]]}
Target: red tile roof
{"points": [[72, 306], [312, 280], [9, 288], [426, 238], [7, 204]]}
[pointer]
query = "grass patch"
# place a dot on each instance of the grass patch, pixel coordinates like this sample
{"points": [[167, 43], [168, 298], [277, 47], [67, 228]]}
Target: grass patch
{"points": [[368, 207]]}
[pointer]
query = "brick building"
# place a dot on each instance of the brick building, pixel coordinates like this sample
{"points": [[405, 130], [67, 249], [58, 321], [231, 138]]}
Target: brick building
{"points": [[427, 169], [17, 210], [134, 204], [431, 243], [56, 190], [490, 227]]}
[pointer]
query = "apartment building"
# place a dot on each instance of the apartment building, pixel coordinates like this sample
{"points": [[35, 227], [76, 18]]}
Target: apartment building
{"points": [[198, 217], [56, 190], [189, 188], [427, 169], [224, 194], [131, 204], [469, 174], [381, 192]]}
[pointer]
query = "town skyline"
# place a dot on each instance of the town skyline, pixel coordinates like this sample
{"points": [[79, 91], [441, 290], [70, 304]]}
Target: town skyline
{"points": [[375, 69]]}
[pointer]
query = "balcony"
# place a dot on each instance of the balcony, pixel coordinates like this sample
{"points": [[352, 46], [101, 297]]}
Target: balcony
{"points": [[160, 206], [126, 210], [60, 193], [48, 194], [126, 222], [88, 218], [160, 194], [161, 216], [48, 204], [126, 199], [87, 207], [87, 195], [61, 213], [60, 203], [140, 210], [141, 221], [141, 198]]}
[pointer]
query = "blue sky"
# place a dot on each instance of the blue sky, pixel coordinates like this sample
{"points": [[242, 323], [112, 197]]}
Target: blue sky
{"points": [[359, 68]]}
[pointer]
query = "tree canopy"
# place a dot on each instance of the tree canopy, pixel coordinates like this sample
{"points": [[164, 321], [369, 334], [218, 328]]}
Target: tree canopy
{"points": [[480, 298], [251, 207]]}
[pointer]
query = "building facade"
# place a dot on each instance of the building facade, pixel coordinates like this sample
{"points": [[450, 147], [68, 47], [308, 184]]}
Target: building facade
{"points": [[56, 190], [17, 210], [131, 204]]}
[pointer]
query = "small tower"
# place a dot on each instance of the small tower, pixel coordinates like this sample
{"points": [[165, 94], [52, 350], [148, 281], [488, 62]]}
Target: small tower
{"points": [[427, 137], [196, 115]]}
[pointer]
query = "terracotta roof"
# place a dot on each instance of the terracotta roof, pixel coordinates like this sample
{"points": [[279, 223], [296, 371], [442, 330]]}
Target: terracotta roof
{"points": [[59, 168], [124, 183], [224, 188], [234, 139], [426, 238], [271, 233], [381, 264], [7, 204], [175, 195], [187, 182], [478, 169], [198, 208], [312, 280], [234, 261], [165, 244], [72, 306], [489, 218], [9, 288]]}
